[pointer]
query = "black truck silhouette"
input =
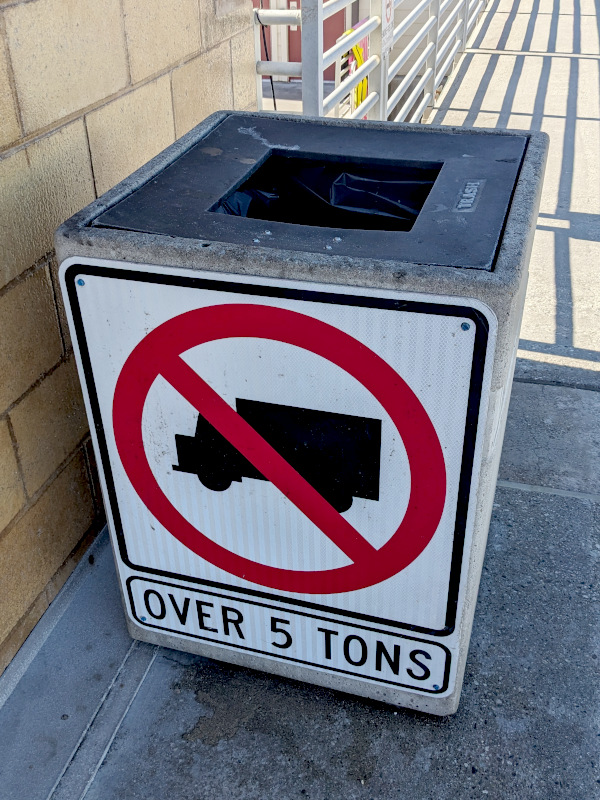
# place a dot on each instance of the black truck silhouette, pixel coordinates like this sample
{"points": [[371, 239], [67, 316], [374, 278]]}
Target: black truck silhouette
{"points": [[338, 454]]}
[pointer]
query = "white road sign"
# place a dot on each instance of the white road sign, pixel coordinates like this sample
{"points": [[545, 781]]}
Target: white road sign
{"points": [[288, 468], [387, 25]]}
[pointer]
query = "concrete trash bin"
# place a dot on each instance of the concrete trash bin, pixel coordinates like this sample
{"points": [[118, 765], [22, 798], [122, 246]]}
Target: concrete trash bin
{"points": [[296, 339]]}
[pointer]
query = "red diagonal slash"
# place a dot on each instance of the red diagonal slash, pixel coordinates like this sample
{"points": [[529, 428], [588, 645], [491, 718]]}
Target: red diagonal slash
{"points": [[159, 354], [266, 459]]}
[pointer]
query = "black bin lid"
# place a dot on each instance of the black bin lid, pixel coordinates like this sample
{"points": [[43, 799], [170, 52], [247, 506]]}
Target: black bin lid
{"points": [[436, 198]]}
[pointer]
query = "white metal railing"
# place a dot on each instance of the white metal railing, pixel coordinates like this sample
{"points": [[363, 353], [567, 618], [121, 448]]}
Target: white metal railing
{"points": [[410, 53], [345, 87]]}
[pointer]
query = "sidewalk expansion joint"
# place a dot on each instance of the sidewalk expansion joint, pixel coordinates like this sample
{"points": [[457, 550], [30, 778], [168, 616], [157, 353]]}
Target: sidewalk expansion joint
{"points": [[94, 743], [527, 487], [584, 387]]}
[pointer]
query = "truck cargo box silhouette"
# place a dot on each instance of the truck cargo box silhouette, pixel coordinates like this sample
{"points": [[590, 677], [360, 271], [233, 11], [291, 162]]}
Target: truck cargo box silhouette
{"points": [[338, 454]]}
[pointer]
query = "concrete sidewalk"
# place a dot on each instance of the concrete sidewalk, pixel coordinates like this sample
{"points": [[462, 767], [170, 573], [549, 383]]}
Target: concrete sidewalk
{"points": [[85, 712]]}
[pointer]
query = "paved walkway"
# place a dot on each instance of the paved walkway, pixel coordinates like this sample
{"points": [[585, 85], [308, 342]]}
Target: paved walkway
{"points": [[535, 65], [84, 712]]}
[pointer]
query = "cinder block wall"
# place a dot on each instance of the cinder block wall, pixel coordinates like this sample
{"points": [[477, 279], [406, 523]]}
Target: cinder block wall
{"points": [[89, 91]]}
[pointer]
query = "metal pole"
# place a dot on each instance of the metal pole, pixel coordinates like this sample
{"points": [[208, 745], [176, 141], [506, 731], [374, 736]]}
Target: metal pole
{"points": [[312, 58], [279, 41], [465, 26], [258, 57], [432, 60], [377, 78]]}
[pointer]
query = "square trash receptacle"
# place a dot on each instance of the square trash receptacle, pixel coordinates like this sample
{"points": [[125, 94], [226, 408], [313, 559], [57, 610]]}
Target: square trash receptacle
{"points": [[296, 340]]}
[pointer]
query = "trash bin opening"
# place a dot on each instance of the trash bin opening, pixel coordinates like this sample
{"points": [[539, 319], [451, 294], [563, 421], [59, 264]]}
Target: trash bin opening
{"points": [[369, 194]]}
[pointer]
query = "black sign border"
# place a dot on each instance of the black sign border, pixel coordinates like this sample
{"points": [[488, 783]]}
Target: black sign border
{"points": [[280, 656], [336, 297]]}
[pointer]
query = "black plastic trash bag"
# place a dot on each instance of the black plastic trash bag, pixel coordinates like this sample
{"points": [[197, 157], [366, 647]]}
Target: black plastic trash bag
{"points": [[332, 194]]}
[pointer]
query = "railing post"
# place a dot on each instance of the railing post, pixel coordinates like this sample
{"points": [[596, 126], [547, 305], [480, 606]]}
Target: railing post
{"points": [[432, 60], [279, 40], [258, 57], [465, 25], [378, 78], [312, 58]]}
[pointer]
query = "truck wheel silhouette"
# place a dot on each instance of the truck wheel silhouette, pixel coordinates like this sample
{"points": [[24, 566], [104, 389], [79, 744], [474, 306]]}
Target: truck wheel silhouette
{"points": [[340, 502], [214, 482], [339, 499]]}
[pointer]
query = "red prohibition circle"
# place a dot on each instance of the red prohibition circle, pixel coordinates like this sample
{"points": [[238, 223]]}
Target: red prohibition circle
{"points": [[158, 354]]}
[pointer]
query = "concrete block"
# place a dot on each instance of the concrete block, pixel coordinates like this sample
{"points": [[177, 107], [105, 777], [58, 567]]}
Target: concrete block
{"points": [[201, 87], [12, 643], [159, 33], [33, 550], [48, 424], [40, 187], [65, 56], [11, 488], [127, 132], [222, 19], [10, 128], [439, 257], [19, 247], [31, 342], [243, 63]]}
